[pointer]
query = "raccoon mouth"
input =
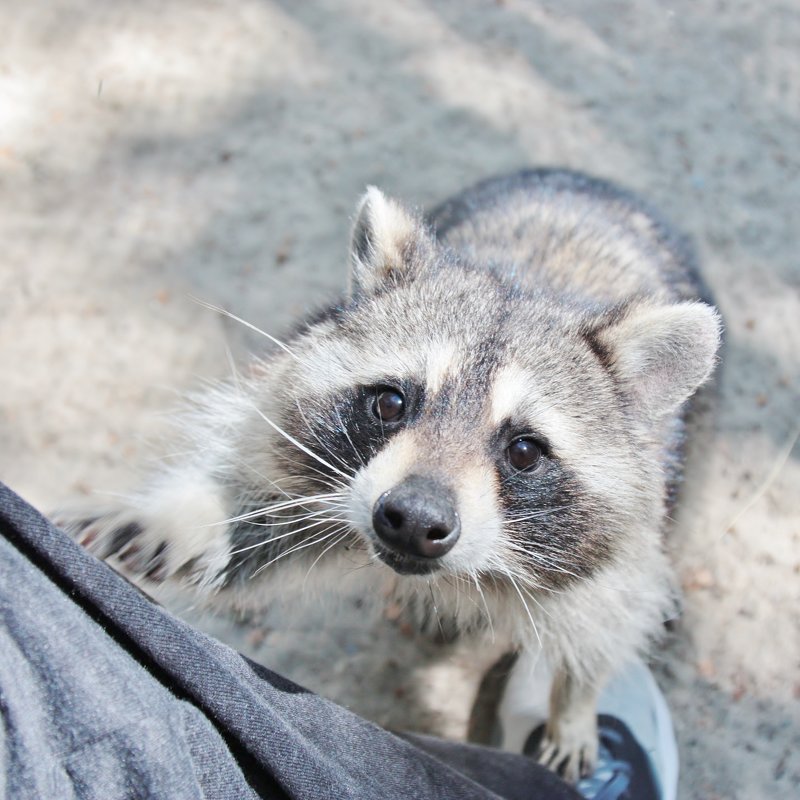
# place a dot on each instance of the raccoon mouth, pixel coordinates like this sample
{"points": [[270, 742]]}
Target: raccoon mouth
{"points": [[406, 564]]}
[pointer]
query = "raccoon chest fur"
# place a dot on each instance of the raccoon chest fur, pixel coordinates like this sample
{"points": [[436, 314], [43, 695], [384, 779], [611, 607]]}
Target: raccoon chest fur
{"points": [[492, 408]]}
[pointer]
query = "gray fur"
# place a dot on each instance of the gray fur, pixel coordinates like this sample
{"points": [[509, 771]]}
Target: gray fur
{"points": [[546, 305]]}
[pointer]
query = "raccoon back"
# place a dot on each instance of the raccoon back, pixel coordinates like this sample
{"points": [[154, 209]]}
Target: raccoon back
{"points": [[569, 233]]}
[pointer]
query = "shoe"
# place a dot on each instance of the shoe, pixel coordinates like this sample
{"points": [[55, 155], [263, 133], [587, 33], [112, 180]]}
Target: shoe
{"points": [[638, 755]]}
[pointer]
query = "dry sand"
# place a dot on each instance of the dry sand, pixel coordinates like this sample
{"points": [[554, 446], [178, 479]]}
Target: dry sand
{"points": [[154, 151]]}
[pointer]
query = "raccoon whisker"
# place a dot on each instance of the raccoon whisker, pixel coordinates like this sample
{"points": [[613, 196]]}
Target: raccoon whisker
{"points": [[549, 560], [452, 580], [536, 514], [514, 476], [321, 443], [523, 548], [336, 485], [521, 573], [491, 575], [350, 544], [327, 499], [524, 604], [329, 481], [357, 567], [269, 510], [298, 445], [261, 516], [557, 567], [235, 375], [300, 519], [288, 520], [466, 592], [257, 496], [459, 592], [525, 588], [297, 500], [263, 477], [431, 582], [344, 531], [324, 483], [226, 313], [380, 420], [292, 532], [344, 430], [301, 501], [325, 479], [539, 512], [485, 604], [542, 562], [296, 548]]}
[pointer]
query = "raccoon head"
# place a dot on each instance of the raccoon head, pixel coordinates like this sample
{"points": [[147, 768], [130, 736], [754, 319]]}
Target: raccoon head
{"points": [[482, 428]]}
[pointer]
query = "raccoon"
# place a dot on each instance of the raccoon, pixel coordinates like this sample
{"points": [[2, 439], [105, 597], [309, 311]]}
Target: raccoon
{"points": [[492, 410]]}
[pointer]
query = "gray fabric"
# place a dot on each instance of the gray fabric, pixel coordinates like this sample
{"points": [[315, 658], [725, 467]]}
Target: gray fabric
{"points": [[84, 719], [105, 695]]}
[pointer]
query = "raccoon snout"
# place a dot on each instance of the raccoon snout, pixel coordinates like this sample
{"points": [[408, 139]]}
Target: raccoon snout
{"points": [[417, 518]]}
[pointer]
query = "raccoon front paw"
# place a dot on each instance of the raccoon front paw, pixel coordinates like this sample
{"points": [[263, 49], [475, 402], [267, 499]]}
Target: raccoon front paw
{"points": [[145, 547], [571, 751]]}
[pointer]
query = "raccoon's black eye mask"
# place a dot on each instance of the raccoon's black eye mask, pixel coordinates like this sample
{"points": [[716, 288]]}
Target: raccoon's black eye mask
{"points": [[358, 423]]}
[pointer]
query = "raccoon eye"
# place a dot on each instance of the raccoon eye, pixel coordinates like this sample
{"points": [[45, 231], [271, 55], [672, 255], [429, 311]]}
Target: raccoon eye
{"points": [[524, 454], [389, 405]]}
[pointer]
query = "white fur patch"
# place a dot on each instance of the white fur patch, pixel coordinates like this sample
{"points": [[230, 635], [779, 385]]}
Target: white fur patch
{"points": [[481, 520], [509, 393], [441, 360]]}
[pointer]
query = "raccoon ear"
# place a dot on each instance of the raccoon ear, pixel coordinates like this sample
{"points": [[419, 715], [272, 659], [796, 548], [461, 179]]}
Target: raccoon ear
{"points": [[382, 233], [661, 354]]}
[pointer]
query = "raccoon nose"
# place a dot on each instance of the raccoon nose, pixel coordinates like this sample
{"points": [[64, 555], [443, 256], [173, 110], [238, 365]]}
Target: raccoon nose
{"points": [[417, 518]]}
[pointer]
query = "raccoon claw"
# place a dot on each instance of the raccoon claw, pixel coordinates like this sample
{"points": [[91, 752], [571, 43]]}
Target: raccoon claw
{"points": [[150, 562], [115, 535], [571, 762]]}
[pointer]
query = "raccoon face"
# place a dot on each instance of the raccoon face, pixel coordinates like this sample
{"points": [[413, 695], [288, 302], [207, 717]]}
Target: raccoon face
{"points": [[481, 429]]}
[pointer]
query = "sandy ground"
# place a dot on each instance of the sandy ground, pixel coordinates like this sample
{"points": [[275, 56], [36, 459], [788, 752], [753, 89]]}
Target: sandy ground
{"points": [[154, 151]]}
